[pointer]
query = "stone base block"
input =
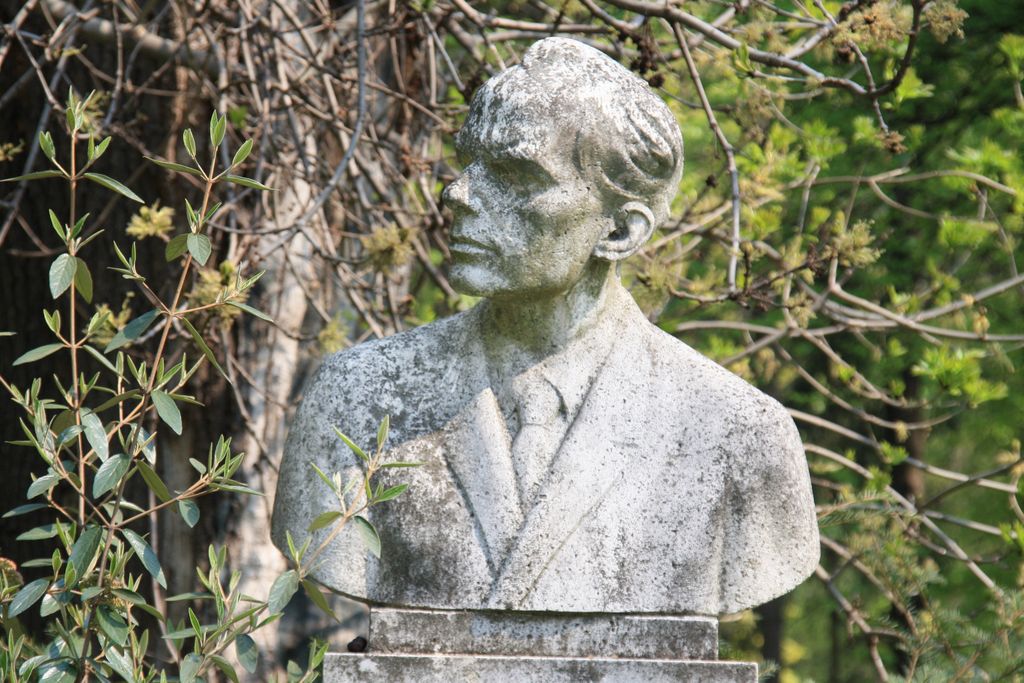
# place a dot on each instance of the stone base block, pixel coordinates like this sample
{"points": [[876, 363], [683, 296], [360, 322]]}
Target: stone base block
{"points": [[447, 668], [429, 646], [540, 634]]}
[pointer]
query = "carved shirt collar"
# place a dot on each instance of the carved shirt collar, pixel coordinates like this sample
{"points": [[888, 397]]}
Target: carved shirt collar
{"points": [[573, 369]]}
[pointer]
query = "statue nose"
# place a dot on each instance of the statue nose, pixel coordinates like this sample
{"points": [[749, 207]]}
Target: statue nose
{"points": [[457, 196]]}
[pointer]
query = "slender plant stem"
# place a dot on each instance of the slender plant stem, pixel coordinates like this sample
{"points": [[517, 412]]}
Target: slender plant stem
{"points": [[730, 154], [76, 402], [184, 277]]}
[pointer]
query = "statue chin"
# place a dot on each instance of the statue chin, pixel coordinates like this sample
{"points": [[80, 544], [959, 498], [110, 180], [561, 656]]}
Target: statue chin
{"points": [[473, 280]]}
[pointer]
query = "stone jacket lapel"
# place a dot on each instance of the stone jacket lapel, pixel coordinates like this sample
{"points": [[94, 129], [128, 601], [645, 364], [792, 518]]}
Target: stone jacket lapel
{"points": [[592, 459], [477, 449]]}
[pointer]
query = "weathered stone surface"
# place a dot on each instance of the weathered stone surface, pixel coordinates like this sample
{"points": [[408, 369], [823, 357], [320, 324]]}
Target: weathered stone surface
{"points": [[541, 634], [343, 668], [425, 645], [575, 457]]}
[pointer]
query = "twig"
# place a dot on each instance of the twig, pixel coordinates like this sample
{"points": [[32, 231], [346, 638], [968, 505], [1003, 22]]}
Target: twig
{"points": [[730, 154]]}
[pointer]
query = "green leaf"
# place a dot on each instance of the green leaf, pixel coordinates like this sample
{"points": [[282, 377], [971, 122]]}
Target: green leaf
{"points": [[83, 280], [24, 509], [128, 596], [189, 668], [213, 128], [369, 534], [147, 443], [180, 634], [324, 519], [100, 357], [192, 215], [62, 274], [199, 247], [52, 320], [69, 115], [91, 592], [52, 602], [251, 280], [27, 596], [111, 623], [132, 330], [893, 455], [282, 590], [57, 227], [38, 175], [388, 465], [183, 597], [37, 353], [39, 533], [177, 168], [176, 247], [317, 597], [246, 182], [84, 549], [66, 435], [46, 144], [201, 343], [327, 480], [154, 482], [189, 512], [119, 662], [42, 485], [194, 620], [212, 210], [57, 672], [741, 59], [95, 434], [243, 153], [352, 445], [225, 667], [391, 493], [382, 431], [235, 487], [168, 411], [102, 147], [237, 115], [190, 142], [217, 129], [250, 310], [146, 555], [109, 474], [111, 184], [247, 652]]}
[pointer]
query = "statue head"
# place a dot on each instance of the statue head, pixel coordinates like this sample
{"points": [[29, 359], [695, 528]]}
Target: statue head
{"points": [[570, 162]]}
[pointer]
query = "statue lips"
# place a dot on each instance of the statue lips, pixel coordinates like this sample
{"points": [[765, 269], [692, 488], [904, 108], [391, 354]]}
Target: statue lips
{"points": [[463, 246]]}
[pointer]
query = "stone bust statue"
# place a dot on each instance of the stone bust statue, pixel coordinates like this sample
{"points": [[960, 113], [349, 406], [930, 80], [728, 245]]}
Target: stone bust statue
{"points": [[575, 458]]}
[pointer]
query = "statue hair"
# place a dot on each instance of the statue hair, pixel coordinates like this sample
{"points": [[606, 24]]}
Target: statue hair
{"points": [[626, 137]]}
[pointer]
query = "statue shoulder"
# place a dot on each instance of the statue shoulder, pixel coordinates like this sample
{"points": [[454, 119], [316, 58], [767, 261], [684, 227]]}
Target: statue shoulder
{"points": [[354, 388], [428, 344], [685, 374], [769, 525]]}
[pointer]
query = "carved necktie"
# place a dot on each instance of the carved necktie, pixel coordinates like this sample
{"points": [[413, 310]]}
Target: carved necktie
{"points": [[541, 429]]}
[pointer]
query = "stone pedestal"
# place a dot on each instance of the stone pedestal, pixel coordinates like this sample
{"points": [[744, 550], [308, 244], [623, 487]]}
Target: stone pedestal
{"points": [[425, 646]]}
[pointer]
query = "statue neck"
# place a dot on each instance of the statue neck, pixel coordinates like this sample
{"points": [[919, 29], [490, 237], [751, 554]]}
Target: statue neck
{"points": [[520, 332]]}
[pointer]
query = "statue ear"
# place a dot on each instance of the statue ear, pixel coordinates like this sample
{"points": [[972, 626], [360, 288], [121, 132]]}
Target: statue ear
{"points": [[634, 223]]}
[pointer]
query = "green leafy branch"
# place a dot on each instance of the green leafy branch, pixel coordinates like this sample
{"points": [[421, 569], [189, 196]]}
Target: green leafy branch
{"points": [[93, 441]]}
